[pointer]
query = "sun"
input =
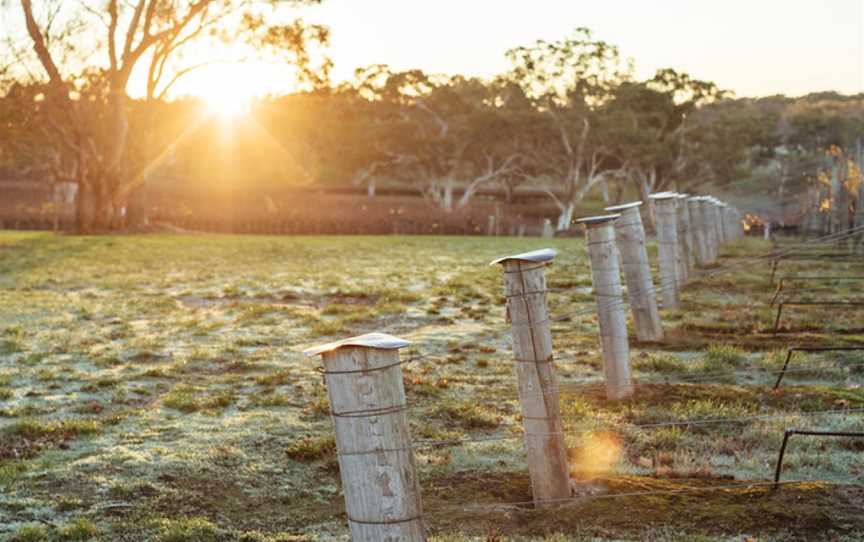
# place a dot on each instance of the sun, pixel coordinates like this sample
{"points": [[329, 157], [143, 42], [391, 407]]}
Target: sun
{"points": [[227, 102]]}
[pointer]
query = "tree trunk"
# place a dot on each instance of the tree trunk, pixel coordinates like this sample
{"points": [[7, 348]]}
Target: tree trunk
{"points": [[86, 205], [447, 200], [566, 216], [138, 210], [619, 192], [648, 216]]}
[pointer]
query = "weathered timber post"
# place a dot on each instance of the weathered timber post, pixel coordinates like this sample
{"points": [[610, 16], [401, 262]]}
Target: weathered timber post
{"points": [[367, 401], [689, 233], [717, 224], [630, 239], [731, 228], [521, 231], [718, 206], [710, 231], [682, 256], [548, 232], [606, 278], [667, 241], [525, 289], [698, 227], [490, 226], [859, 216]]}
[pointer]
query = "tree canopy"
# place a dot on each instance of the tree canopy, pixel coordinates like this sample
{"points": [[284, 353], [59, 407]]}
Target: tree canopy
{"points": [[567, 118]]}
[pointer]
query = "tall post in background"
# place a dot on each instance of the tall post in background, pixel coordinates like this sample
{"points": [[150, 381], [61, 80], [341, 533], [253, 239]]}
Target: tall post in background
{"points": [[376, 462], [525, 289], [548, 232], [681, 252], [689, 233], [707, 214], [698, 227], [667, 249], [630, 239], [717, 210], [606, 278]]}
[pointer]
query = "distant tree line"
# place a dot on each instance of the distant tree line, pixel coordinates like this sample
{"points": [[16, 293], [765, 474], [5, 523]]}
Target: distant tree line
{"points": [[568, 118]]}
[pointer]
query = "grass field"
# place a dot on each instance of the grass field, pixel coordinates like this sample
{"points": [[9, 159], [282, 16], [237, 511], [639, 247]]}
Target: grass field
{"points": [[153, 388]]}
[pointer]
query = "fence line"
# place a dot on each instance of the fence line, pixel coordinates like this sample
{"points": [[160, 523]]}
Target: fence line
{"points": [[694, 422], [702, 273], [691, 489]]}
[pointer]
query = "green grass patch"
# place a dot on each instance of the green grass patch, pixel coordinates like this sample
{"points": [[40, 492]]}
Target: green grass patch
{"points": [[187, 398], [188, 530], [307, 448]]}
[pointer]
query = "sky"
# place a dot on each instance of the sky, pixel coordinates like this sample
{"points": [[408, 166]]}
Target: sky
{"points": [[752, 47]]}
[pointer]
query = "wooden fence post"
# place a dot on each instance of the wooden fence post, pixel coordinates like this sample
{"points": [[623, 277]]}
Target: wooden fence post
{"points": [[525, 287], [606, 278], [376, 462], [682, 253], [700, 241], [718, 221], [548, 231], [689, 235], [667, 241], [710, 231], [490, 226], [630, 239], [729, 224]]}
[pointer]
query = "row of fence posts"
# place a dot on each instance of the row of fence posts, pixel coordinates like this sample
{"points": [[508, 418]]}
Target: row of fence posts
{"points": [[364, 382]]}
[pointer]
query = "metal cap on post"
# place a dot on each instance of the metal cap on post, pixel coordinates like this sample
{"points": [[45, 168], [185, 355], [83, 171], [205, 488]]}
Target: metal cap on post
{"points": [[606, 278], [525, 290], [667, 253], [376, 461], [630, 239]]}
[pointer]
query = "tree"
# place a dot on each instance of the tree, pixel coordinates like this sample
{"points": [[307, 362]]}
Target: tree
{"points": [[568, 82], [648, 125], [87, 111], [438, 132]]}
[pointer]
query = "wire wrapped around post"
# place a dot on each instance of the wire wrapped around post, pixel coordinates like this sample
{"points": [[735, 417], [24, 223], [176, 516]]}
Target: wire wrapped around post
{"points": [[630, 239], [525, 287], [667, 254], [709, 228], [686, 235], [606, 278], [376, 461], [700, 240]]}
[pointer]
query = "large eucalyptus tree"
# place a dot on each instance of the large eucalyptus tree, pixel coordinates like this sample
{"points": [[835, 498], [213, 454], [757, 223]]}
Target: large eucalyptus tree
{"points": [[79, 60]]}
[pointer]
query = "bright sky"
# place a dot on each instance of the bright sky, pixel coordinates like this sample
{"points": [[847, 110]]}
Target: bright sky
{"points": [[753, 47]]}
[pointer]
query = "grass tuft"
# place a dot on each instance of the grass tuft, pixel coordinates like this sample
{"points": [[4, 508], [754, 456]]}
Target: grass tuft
{"points": [[188, 530], [186, 398]]}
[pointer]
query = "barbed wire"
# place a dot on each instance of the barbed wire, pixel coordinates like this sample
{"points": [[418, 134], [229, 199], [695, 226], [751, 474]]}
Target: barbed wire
{"points": [[697, 274], [694, 422], [687, 377], [630, 494]]}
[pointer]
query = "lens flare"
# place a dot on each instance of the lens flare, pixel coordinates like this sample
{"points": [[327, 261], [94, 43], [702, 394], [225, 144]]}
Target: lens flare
{"points": [[597, 454]]}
